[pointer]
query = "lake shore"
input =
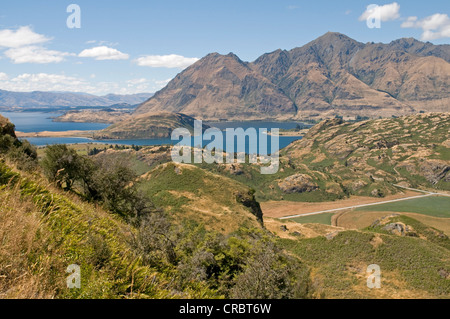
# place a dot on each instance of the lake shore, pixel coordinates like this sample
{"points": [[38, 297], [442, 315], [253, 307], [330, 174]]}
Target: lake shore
{"points": [[72, 133], [300, 133]]}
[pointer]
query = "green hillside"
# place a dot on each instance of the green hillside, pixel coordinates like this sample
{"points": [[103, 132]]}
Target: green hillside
{"points": [[413, 265]]}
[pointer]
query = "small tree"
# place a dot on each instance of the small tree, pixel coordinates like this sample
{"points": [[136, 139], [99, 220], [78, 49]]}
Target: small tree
{"points": [[61, 165]]}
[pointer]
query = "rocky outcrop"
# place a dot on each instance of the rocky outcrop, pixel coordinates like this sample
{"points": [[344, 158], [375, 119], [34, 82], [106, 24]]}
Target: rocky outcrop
{"points": [[298, 183], [249, 201], [400, 229], [435, 170], [6, 127]]}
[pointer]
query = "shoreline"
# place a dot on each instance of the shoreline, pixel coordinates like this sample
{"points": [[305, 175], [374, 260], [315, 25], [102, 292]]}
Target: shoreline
{"points": [[73, 133]]}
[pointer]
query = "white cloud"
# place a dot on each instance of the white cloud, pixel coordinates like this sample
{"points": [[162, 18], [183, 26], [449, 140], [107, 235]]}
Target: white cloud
{"points": [[386, 12], [434, 27], [35, 54], [25, 46], [46, 82], [409, 23], [165, 61], [23, 36], [28, 82], [104, 53]]}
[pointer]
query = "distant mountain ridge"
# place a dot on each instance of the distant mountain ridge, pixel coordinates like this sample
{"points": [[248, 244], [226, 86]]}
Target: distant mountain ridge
{"points": [[70, 99], [332, 75]]}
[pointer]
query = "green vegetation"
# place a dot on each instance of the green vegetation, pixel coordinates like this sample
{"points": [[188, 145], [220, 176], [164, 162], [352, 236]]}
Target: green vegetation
{"points": [[437, 206], [324, 218], [340, 264], [361, 158], [190, 192], [141, 227], [123, 249]]}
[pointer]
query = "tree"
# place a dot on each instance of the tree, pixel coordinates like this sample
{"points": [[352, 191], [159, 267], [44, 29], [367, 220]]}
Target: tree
{"points": [[61, 165]]}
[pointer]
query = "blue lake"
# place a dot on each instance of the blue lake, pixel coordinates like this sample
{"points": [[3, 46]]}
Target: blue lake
{"points": [[40, 121]]}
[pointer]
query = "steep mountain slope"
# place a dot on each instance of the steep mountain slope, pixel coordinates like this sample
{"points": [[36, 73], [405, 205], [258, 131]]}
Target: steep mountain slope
{"points": [[332, 75], [220, 87]]}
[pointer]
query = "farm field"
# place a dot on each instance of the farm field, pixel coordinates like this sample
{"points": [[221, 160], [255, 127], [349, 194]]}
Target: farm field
{"points": [[436, 206], [277, 209], [324, 218]]}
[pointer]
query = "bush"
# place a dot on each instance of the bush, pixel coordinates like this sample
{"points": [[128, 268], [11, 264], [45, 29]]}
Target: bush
{"points": [[247, 264], [110, 181]]}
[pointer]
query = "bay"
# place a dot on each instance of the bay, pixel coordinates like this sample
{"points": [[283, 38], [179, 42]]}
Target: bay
{"points": [[42, 121]]}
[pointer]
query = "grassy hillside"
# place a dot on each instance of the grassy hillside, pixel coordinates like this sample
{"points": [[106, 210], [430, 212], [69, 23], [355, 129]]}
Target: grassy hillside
{"points": [[415, 265], [189, 192], [337, 159], [56, 230], [121, 255]]}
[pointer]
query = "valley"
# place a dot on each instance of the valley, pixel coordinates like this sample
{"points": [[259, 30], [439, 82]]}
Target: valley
{"points": [[362, 178]]}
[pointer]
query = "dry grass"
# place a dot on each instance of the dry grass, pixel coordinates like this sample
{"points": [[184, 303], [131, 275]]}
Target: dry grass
{"points": [[305, 230], [26, 262]]}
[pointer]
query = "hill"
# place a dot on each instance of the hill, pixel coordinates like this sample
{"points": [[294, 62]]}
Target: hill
{"points": [[413, 263], [218, 202], [149, 125], [90, 116], [68, 99], [46, 229], [336, 159], [332, 75]]}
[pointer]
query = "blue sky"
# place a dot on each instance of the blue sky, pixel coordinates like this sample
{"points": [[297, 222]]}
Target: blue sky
{"points": [[137, 46]]}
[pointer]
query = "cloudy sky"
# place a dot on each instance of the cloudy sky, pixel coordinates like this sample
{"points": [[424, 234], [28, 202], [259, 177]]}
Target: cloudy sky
{"points": [[135, 46]]}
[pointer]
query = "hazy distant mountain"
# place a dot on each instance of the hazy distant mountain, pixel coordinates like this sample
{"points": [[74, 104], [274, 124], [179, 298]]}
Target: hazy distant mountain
{"points": [[331, 75], [43, 99]]}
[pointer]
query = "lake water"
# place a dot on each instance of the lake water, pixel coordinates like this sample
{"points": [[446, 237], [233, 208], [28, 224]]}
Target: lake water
{"points": [[40, 121]]}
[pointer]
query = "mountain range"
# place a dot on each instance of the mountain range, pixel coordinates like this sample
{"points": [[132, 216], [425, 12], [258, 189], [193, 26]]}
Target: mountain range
{"points": [[332, 75], [68, 99]]}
